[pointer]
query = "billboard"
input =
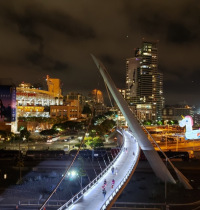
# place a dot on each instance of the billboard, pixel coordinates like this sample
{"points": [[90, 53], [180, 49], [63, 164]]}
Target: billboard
{"points": [[7, 103]]}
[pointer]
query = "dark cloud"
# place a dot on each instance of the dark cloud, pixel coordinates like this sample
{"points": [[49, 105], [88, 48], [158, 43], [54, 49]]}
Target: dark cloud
{"points": [[35, 58], [46, 63], [60, 66], [29, 19], [107, 59], [57, 37], [178, 33], [26, 28]]}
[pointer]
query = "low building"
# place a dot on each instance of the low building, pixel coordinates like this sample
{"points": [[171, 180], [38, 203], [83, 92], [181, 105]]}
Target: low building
{"points": [[70, 111], [144, 112], [175, 112]]}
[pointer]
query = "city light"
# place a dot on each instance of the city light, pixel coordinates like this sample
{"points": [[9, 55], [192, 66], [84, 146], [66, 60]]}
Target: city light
{"points": [[72, 174]]}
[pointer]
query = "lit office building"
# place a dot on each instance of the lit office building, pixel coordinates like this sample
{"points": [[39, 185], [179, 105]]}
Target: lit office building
{"points": [[96, 102], [144, 84], [132, 66], [175, 112], [71, 108], [123, 92], [70, 111], [34, 102]]}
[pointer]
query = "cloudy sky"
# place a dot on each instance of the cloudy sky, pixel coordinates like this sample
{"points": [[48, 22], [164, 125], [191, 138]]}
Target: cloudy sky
{"points": [[56, 38]]}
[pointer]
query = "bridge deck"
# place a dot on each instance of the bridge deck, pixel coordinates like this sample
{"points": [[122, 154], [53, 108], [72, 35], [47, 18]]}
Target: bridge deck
{"points": [[93, 199]]}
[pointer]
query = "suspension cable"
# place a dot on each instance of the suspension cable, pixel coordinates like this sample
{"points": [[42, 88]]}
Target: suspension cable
{"points": [[68, 168], [178, 173]]}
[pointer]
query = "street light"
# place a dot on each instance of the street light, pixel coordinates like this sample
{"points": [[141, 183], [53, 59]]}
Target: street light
{"points": [[72, 174]]}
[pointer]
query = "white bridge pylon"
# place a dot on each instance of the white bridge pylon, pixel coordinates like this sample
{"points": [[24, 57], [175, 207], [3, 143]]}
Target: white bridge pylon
{"points": [[124, 165], [152, 156]]}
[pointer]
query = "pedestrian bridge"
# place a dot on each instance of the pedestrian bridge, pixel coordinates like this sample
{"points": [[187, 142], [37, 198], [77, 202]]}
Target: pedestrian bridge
{"points": [[124, 164]]}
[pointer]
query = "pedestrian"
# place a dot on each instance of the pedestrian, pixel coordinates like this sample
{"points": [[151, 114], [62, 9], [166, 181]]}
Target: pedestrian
{"points": [[133, 153], [116, 171], [126, 149], [113, 182], [105, 182], [104, 192], [112, 169]]}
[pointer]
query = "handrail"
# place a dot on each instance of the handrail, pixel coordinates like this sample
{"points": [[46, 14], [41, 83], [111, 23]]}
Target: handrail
{"points": [[110, 198], [80, 194]]}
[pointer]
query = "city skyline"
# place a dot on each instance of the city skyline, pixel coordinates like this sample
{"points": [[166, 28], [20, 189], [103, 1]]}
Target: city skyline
{"points": [[57, 38]]}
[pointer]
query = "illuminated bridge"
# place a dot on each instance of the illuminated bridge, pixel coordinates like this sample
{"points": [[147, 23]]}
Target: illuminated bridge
{"points": [[91, 196]]}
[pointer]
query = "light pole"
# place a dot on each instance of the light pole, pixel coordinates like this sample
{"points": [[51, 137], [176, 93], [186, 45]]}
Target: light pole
{"points": [[19, 162], [166, 184]]}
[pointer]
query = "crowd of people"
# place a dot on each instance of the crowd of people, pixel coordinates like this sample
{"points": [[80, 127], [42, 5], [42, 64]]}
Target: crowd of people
{"points": [[114, 172]]}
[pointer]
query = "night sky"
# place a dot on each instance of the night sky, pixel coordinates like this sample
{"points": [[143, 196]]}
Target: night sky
{"points": [[56, 38]]}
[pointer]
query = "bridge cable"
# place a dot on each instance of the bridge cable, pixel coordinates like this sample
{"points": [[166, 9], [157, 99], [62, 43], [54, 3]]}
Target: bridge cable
{"points": [[180, 176], [68, 168]]}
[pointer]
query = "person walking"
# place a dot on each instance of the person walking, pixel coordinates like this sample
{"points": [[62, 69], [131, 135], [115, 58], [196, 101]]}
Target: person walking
{"points": [[104, 192], [113, 170], [105, 182], [113, 182], [116, 171]]}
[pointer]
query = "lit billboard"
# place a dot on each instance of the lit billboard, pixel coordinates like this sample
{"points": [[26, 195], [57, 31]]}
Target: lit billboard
{"points": [[7, 103]]}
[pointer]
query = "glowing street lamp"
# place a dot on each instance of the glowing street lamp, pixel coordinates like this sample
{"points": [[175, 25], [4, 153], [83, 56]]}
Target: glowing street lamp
{"points": [[72, 174]]}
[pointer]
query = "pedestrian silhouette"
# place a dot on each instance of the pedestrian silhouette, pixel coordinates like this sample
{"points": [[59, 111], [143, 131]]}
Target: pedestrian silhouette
{"points": [[105, 182], [116, 171], [104, 192], [112, 169], [113, 182]]}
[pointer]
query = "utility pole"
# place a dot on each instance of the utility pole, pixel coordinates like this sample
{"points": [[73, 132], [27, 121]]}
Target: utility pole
{"points": [[19, 162]]}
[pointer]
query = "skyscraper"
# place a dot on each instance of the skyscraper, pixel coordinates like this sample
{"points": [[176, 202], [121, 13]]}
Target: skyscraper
{"points": [[144, 84]]}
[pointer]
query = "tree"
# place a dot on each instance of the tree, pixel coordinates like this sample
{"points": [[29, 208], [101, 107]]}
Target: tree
{"points": [[49, 132], [82, 146], [108, 124], [24, 133], [81, 171], [97, 142], [86, 110]]}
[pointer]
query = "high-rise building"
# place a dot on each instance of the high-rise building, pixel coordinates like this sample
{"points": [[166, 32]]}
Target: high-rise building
{"points": [[96, 102], [132, 66], [144, 84]]}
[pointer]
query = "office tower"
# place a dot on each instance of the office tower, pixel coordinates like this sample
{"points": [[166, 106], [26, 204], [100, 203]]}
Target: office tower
{"points": [[144, 84]]}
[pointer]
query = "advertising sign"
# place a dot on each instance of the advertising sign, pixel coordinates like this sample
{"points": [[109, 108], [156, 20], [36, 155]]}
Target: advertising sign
{"points": [[7, 103]]}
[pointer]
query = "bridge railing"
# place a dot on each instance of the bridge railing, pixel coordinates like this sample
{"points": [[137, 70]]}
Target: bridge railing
{"points": [[80, 194], [132, 167]]}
